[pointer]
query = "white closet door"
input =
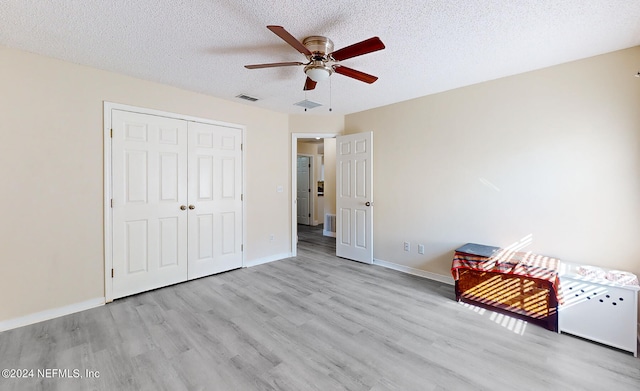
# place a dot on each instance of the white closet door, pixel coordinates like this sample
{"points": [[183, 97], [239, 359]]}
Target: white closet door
{"points": [[303, 182], [149, 174], [215, 199]]}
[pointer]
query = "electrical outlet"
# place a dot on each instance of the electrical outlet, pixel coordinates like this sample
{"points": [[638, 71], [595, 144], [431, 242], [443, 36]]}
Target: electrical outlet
{"points": [[407, 246], [421, 249]]}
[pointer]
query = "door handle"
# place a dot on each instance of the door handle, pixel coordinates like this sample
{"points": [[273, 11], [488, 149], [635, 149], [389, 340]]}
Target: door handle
{"points": [[192, 207], [368, 203], [183, 207]]}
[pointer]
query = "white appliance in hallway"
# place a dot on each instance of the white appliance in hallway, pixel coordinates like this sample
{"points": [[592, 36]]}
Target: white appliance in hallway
{"points": [[303, 192]]}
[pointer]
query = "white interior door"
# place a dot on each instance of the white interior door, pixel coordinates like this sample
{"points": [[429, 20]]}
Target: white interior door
{"points": [[354, 198], [304, 190], [149, 175], [215, 199]]}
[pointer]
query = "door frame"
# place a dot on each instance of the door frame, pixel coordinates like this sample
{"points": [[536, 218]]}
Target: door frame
{"points": [[294, 183], [108, 183]]}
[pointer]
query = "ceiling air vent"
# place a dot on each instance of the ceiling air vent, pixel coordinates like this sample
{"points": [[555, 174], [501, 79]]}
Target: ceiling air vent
{"points": [[247, 97], [307, 104]]}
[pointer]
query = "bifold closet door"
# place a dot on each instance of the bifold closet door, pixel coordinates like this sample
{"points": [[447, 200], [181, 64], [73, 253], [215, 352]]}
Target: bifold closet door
{"points": [[149, 186], [215, 199], [177, 201]]}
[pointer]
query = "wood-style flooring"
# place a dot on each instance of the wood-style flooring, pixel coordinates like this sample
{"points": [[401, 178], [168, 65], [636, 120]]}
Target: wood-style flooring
{"points": [[313, 322]]}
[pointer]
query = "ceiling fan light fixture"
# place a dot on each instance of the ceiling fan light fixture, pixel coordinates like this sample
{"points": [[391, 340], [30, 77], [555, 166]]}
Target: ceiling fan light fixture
{"points": [[318, 71], [323, 60]]}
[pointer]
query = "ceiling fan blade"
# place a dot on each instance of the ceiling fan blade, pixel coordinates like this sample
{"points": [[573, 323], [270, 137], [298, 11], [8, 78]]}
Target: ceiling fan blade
{"points": [[290, 39], [309, 84], [272, 65], [365, 77], [358, 49]]}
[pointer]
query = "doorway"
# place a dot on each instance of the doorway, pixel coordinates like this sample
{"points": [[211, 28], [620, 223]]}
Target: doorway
{"points": [[319, 188]]}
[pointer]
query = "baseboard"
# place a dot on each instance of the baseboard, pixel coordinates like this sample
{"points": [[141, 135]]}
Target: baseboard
{"points": [[50, 314], [271, 258], [328, 233], [415, 272]]}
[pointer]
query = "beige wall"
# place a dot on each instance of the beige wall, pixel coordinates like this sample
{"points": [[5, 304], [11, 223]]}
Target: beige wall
{"points": [[329, 176], [51, 151], [553, 153], [313, 123]]}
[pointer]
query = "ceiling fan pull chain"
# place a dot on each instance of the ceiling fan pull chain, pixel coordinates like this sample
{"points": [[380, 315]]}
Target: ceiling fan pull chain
{"points": [[330, 104]]}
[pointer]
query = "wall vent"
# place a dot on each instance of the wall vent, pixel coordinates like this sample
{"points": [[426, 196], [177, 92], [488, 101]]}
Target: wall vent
{"points": [[307, 104], [329, 228], [247, 97]]}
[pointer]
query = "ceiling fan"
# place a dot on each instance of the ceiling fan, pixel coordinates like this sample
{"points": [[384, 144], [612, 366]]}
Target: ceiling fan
{"points": [[322, 60]]}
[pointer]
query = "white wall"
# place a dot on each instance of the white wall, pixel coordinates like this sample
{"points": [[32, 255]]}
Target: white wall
{"points": [[51, 165], [553, 153]]}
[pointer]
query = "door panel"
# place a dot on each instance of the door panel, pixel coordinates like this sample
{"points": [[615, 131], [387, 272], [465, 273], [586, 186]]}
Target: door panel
{"points": [[135, 167], [169, 176], [149, 167], [204, 236], [361, 229], [137, 243], [215, 183], [228, 240], [169, 241], [345, 224], [344, 168], [205, 178], [227, 179], [354, 201]]}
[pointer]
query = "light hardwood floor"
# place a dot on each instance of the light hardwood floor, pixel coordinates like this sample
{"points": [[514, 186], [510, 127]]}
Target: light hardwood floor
{"points": [[314, 322]]}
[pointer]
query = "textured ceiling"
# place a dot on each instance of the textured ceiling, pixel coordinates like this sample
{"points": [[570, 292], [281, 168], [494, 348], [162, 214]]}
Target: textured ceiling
{"points": [[431, 45]]}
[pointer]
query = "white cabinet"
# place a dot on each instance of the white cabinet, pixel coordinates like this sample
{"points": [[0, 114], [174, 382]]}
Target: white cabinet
{"points": [[599, 310]]}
